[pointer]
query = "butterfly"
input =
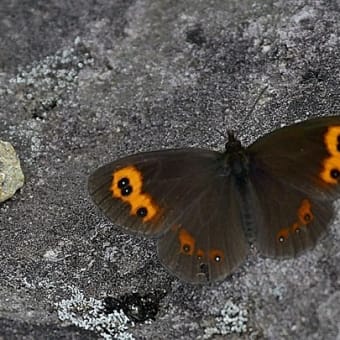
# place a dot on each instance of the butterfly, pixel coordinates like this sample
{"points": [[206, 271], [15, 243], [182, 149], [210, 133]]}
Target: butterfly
{"points": [[205, 207]]}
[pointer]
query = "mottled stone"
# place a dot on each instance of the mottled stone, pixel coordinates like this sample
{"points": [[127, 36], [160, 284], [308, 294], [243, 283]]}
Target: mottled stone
{"points": [[11, 175]]}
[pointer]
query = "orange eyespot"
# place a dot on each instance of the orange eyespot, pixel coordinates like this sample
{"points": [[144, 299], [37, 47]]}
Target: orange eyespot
{"points": [[304, 217], [283, 235], [331, 140], [200, 254], [126, 185], [128, 177], [296, 228], [304, 213], [330, 172], [216, 255], [187, 242]]}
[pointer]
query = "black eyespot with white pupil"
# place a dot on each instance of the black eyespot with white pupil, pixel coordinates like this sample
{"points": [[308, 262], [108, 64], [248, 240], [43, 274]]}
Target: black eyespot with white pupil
{"points": [[126, 191], [186, 248], [142, 212], [218, 258], [307, 217], [122, 183], [335, 173], [124, 186], [282, 239]]}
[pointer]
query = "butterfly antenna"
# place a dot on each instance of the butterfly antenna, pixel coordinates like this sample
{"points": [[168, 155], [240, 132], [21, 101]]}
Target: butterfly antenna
{"points": [[230, 133], [217, 130], [251, 110]]}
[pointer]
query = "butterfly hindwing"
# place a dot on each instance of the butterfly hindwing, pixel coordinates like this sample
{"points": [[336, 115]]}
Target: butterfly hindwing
{"points": [[294, 172], [208, 242], [288, 220]]}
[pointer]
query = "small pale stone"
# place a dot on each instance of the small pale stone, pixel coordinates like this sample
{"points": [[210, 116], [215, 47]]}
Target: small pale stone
{"points": [[11, 175]]}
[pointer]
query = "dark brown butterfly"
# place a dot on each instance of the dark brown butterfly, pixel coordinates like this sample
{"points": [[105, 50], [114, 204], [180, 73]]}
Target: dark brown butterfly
{"points": [[205, 206]]}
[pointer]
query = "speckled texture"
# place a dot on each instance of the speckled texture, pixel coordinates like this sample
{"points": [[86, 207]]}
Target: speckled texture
{"points": [[84, 83]]}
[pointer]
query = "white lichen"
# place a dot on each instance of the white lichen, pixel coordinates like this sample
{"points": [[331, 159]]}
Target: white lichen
{"points": [[89, 314], [47, 80], [232, 319]]}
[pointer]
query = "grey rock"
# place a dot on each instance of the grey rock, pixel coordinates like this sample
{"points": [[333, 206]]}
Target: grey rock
{"points": [[85, 82]]}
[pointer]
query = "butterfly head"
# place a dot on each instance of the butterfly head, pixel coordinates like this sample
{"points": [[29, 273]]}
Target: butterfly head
{"points": [[233, 145]]}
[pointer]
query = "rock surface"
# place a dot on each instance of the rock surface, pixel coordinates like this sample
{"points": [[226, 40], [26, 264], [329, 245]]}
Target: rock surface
{"points": [[85, 82]]}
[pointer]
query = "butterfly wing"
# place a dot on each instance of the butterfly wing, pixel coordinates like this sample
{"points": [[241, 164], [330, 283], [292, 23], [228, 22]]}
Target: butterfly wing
{"points": [[207, 242], [180, 197], [294, 175], [140, 192]]}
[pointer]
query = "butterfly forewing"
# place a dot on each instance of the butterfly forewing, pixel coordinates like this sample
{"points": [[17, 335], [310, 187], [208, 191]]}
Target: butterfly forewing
{"points": [[140, 192], [294, 172]]}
